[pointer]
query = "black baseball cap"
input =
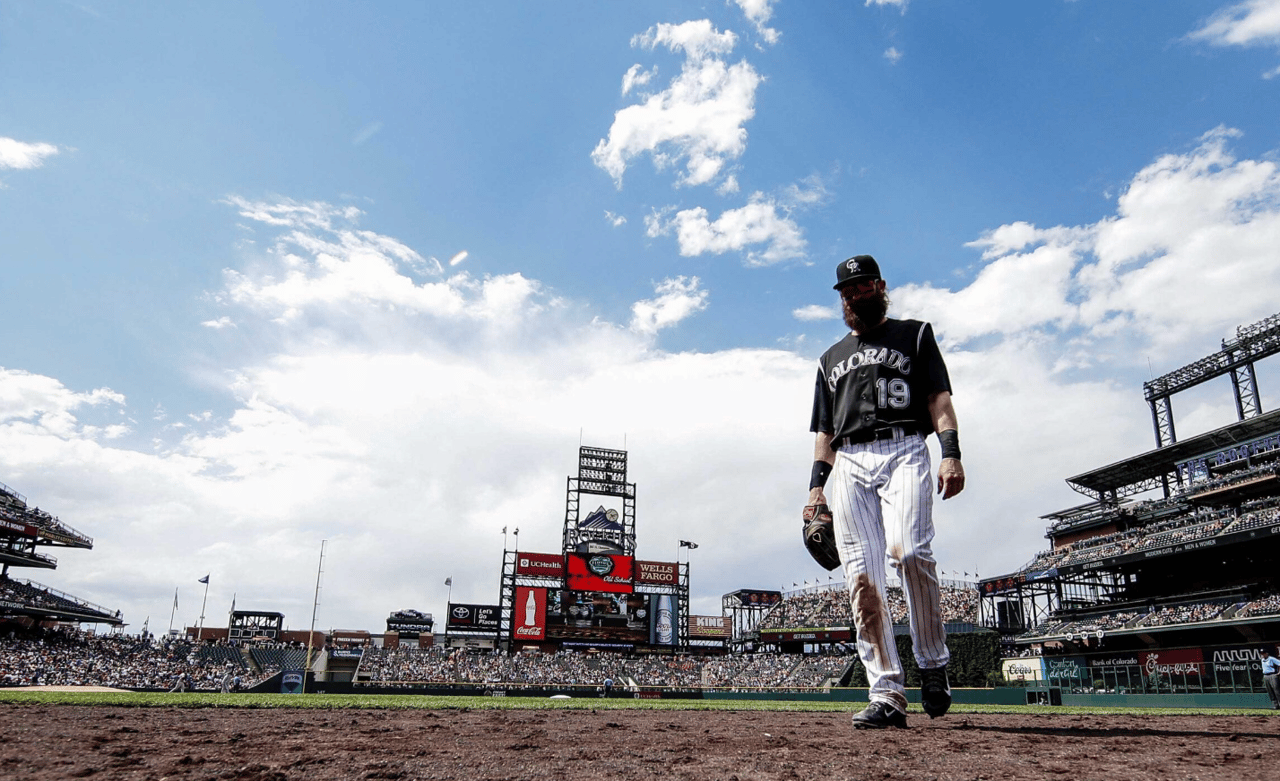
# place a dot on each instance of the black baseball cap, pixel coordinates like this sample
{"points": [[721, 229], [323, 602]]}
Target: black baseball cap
{"points": [[856, 268]]}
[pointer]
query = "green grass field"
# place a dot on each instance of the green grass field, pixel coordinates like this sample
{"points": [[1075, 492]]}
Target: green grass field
{"points": [[407, 701]]}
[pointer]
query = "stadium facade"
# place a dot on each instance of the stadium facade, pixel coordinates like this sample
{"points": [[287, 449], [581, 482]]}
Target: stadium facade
{"points": [[1165, 580]]}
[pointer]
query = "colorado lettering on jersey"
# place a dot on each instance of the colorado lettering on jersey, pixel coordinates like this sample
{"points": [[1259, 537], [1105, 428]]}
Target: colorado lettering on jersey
{"points": [[870, 356]]}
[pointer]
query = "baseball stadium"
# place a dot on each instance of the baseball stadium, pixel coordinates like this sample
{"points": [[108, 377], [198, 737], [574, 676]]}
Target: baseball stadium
{"points": [[1158, 593]]}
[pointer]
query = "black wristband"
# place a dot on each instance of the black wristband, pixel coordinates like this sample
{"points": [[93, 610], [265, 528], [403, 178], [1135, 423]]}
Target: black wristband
{"points": [[950, 441], [821, 471]]}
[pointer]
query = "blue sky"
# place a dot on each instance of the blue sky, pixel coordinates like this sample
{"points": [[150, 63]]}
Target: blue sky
{"points": [[284, 272]]}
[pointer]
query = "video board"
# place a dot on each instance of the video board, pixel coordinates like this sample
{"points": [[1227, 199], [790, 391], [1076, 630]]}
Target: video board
{"points": [[598, 572]]}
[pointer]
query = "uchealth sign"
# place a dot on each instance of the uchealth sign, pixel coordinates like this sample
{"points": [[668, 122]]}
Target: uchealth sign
{"points": [[662, 573], [540, 565], [530, 618]]}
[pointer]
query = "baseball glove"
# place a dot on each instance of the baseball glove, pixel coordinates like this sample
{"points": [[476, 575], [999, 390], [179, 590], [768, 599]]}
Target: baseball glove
{"points": [[820, 536]]}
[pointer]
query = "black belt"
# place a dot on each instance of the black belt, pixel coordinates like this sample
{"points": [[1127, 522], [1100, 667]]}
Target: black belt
{"points": [[875, 435]]}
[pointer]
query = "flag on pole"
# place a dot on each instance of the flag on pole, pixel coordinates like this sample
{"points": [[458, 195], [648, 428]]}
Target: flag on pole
{"points": [[448, 581], [687, 544], [504, 530], [204, 580]]}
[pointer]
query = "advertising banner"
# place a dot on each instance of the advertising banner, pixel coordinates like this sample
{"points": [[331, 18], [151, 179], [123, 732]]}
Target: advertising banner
{"points": [[1027, 668], [832, 635], [291, 682], [473, 617], [662, 573], [409, 629], [665, 614], [599, 572], [1065, 670], [530, 619], [710, 626], [17, 528], [1239, 659], [540, 565], [1178, 661]]}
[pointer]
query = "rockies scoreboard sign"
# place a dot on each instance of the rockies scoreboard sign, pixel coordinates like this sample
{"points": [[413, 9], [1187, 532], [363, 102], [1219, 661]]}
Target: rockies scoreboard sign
{"points": [[473, 617]]}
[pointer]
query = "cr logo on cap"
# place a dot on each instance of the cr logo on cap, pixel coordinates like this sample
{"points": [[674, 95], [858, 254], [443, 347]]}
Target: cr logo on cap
{"points": [[852, 265]]}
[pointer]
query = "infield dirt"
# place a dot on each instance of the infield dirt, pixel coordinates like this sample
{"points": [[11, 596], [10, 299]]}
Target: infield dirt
{"points": [[43, 743]]}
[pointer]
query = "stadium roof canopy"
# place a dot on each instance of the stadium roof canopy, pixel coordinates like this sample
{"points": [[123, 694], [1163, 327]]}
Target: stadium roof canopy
{"points": [[1145, 472]]}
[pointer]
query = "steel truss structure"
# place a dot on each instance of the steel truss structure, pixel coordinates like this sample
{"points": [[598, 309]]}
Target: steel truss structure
{"points": [[1237, 358]]}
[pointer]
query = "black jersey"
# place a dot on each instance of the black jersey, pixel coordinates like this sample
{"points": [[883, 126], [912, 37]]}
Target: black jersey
{"points": [[878, 379]]}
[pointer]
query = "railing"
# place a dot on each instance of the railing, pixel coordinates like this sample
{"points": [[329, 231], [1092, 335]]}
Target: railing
{"points": [[13, 493], [77, 601]]}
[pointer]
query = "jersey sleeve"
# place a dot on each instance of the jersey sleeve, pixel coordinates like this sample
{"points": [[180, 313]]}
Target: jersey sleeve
{"points": [[821, 420], [929, 357]]}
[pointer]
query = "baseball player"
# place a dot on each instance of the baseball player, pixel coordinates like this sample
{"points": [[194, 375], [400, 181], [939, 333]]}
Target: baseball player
{"points": [[880, 391]]}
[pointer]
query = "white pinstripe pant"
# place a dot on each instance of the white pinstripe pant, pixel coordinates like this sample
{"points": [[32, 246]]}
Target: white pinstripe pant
{"points": [[881, 496]]}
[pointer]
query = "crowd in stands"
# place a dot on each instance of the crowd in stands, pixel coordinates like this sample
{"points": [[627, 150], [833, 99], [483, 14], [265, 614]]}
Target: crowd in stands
{"points": [[1265, 606], [13, 507], [1184, 614], [830, 607], [406, 666], [1169, 615], [72, 657], [35, 595], [1193, 525], [1227, 478]]}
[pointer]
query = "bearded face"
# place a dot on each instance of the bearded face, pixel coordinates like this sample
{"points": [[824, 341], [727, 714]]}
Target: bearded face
{"points": [[864, 312]]}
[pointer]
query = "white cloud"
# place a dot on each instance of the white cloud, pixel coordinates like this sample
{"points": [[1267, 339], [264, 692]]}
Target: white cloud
{"points": [[678, 298], [892, 54], [458, 258], [219, 324], [759, 12], [16, 154], [636, 76], [698, 120], [761, 223], [1188, 230], [407, 450], [900, 3], [816, 312], [616, 220], [1243, 24]]}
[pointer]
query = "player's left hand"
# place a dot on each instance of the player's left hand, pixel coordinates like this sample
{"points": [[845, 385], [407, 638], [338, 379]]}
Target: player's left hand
{"points": [[950, 477]]}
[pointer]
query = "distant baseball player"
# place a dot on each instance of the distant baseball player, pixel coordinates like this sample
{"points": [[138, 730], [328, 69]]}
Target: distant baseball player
{"points": [[880, 391]]}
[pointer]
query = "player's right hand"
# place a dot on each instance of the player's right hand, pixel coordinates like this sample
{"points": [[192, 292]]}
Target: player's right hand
{"points": [[816, 496]]}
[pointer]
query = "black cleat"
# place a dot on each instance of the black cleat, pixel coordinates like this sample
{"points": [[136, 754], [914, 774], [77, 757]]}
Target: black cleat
{"points": [[880, 715], [935, 692]]}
